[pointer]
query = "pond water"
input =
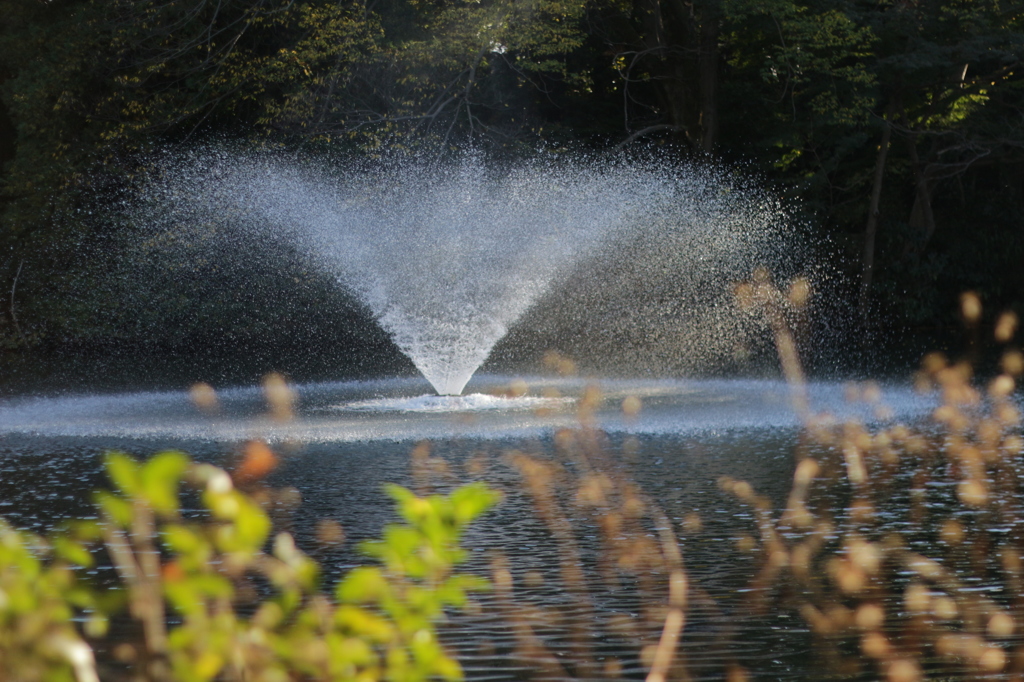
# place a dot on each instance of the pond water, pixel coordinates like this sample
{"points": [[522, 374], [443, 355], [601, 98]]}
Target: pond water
{"points": [[347, 440]]}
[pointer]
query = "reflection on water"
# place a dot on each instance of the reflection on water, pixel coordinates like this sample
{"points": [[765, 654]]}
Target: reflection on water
{"points": [[453, 404], [686, 437], [399, 410]]}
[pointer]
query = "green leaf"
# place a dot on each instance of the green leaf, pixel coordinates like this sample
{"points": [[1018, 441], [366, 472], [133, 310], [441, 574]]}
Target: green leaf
{"points": [[184, 598], [363, 623], [182, 540], [362, 585], [253, 524], [159, 480], [117, 509], [124, 472], [470, 501], [72, 551], [211, 585], [83, 530]]}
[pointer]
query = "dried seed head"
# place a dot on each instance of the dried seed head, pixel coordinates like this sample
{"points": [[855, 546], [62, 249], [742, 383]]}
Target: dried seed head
{"points": [[850, 578], [592, 398], [565, 438], [631, 446], [872, 392], [903, 670], [1000, 625], [280, 397], [952, 532], [502, 579], [989, 432], [592, 490], [1011, 561], [1013, 445], [204, 397], [917, 599], [1001, 387], [944, 608], [125, 653], [861, 511], [746, 544], [869, 616], [855, 469], [818, 621], [1006, 327], [992, 659], [742, 490], [800, 558], [1007, 414], [329, 532], [851, 392], [1013, 362], [633, 506], [612, 525], [631, 406], [421, 451], [864, 555], [647, 655], [778, 558], [799, 292], [806, 470], [736, 673], [798, 515], [972, 493], [970, 306], [518, 388], [744, 294], [933, 362], [925, 567], [533, 579], [945, 414], [874, 645], [840, 616], [288, 498]]}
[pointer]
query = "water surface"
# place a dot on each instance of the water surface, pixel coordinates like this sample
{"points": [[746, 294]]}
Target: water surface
{"points": [[348, 439]]}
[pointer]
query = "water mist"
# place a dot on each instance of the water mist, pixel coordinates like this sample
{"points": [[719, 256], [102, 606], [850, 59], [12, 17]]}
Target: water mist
{"points": [[448, 255]]}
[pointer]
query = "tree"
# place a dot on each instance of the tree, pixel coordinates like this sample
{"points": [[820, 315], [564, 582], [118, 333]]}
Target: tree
{"points": [[93, 87]]}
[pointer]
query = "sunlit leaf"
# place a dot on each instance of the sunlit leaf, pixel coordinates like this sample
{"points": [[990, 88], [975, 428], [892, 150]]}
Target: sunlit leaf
{"points": [[124, 472], [159, 479], [117, 509]]}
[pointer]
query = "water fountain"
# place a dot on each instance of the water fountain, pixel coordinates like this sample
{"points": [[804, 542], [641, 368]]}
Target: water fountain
{"points": [[633, 257], [449, 254]]}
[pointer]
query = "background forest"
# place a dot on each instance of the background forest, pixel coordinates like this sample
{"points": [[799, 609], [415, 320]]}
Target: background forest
{"points": [[896, 126]]}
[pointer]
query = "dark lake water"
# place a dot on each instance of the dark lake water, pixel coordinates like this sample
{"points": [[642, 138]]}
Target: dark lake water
{"points": [[348, 439]]}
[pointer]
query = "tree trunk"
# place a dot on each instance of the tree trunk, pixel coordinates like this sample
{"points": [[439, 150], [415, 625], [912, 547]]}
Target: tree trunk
{"points": [[681, 38], [871, 229], [709, 57], [7, 129], [922, 217]]}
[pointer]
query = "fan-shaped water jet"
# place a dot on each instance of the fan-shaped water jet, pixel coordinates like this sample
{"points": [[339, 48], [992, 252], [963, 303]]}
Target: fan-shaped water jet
{"points": [[448, 255]]}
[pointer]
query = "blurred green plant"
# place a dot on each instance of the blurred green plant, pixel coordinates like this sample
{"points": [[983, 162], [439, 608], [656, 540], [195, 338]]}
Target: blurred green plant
{"points": [[39, 597], [380, 626]]}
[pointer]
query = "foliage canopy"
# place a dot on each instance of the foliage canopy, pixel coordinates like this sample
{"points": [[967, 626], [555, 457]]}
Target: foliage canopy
{"points": [[810, 91]]}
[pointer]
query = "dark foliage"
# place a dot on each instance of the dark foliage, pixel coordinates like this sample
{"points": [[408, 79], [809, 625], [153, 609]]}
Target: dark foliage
{"points": [[899, 126]]}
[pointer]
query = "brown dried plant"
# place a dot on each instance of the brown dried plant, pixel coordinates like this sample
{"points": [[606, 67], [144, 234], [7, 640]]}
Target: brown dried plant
{"points": [[901, 544]]}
